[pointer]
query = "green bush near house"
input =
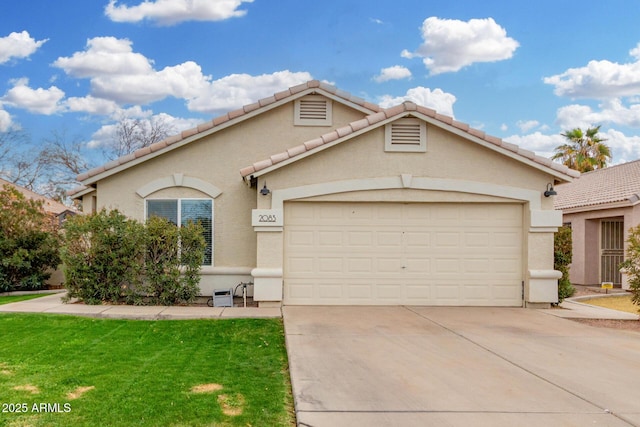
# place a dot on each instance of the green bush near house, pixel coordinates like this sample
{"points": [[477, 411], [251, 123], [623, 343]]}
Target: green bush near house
{"points": [[632, 263], [562, 258], [109, 257], [29, 242], [103, 256], [168, 250]]}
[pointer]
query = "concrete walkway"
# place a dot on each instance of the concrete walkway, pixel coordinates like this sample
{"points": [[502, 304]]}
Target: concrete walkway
{"points": [[570, 308], [52, 304]]}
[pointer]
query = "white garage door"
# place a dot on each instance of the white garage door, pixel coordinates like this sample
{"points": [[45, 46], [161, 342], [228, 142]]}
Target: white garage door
{"points": [[395, 253]]}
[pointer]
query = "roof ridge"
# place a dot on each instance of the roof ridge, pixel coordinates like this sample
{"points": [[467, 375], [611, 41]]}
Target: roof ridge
{"points": [[227, 117], [393, 111]]}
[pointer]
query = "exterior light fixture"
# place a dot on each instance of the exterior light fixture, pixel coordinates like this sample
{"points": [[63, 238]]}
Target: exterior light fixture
{"points": [[550, 191], [265, 191]]}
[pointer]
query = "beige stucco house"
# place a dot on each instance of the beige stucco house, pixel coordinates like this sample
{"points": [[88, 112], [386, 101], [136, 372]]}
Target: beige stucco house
{"points": [[601, 207], [319, 197]]}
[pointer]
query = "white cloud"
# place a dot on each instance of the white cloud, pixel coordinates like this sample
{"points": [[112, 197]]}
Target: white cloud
{"points": [[91, 105], [527, 125], [612, 111], [623, 148], [437, 99], [18, 45], [120, 75], [105, 56], [397, 72], [6, 122], [543, 145], [236, 90], [170, 12], [599, 79], [41, 101], [450, 44]]}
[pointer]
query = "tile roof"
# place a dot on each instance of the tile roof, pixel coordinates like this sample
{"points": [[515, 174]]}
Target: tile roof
{"points": [[618, 183], [233, 117], [377, 115], [386, 115], [49, 205]]}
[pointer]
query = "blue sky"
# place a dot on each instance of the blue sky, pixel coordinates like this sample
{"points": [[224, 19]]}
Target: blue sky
{"points": [[522, 71]]}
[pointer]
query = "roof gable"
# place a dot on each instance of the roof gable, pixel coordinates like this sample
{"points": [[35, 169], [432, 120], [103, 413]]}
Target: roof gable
{"points": [[381, 118], [613, 184], [313, 87]]}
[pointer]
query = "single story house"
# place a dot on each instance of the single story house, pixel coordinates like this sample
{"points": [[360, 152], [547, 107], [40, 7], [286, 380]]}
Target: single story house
{"points": [[319, 197], [600, 207]]}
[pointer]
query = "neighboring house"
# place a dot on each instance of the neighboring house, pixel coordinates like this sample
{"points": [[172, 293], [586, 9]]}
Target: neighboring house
{"points": [[56, 209], [319, 197], [50, 206], [600, 207]]}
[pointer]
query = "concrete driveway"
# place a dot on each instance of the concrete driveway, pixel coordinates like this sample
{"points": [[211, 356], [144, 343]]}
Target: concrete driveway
{"points": [[433, 366]]}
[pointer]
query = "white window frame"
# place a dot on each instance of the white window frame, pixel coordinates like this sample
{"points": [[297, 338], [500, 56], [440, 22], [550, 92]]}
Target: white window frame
{"points": [[179, 201]]}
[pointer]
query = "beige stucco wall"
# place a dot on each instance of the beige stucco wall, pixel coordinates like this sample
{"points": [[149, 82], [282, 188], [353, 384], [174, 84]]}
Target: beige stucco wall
{"points": [[217, 159], [585, 232]]}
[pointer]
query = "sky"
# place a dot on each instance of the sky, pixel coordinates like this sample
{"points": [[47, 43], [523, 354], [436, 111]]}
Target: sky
{"points": [[521, 71]]}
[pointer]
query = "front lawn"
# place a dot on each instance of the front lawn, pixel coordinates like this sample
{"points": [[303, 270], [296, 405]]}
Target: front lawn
{"points": [[620, 303], [76, 371], [8, 299]]}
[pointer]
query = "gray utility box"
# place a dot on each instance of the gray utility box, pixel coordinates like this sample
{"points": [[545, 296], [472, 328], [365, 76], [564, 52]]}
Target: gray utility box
{"points": [[223, 298]]}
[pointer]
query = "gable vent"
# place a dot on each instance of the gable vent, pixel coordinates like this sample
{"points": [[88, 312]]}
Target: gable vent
{"points": [[313, 111], [408, 135], [405, 133]]}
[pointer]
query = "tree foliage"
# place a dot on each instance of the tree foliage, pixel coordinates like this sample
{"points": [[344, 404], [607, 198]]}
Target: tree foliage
{"points": [[631, 264], [132, 134], [29, 242], [562, 255], [584, 151]]}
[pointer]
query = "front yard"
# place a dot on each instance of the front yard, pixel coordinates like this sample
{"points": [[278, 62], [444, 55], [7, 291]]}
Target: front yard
{"points": [[75, 371]]}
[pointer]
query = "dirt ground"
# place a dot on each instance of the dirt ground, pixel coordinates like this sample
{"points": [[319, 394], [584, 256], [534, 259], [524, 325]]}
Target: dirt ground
{"points": [[629, 325]]}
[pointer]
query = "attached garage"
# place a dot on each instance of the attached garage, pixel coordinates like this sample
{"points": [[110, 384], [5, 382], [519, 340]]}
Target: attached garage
{"points": [[460, 254]]}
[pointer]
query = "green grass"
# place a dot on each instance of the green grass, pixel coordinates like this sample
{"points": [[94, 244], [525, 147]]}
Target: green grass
{"points": [[8, 299], [620, 303], [143, 372]]}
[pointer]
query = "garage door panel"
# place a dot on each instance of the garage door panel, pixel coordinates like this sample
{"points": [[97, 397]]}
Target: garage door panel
{"points": [[393, 253]]}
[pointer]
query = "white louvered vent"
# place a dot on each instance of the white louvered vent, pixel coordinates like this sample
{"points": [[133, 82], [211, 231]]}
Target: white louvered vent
{"points": [[406, 135], [313, 111]]}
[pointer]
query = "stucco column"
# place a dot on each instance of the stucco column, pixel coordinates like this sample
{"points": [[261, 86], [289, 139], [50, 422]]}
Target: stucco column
{"points": [[541, 280], [267, 276]]}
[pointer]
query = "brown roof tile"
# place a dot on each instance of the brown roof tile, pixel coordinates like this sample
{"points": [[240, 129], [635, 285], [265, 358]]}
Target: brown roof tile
{"points": [[617, 183]]}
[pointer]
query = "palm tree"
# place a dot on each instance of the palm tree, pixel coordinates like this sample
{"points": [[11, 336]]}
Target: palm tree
{"points": [[584, 151]]}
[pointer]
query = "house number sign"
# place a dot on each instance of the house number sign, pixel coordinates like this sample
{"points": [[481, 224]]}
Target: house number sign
{"points": [[266, 218]]}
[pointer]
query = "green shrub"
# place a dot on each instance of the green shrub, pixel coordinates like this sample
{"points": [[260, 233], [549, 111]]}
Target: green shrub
{"points": [[103, 256], [170, 249], [562, 258], [29, 242], [109, 257], [632, 263]]}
